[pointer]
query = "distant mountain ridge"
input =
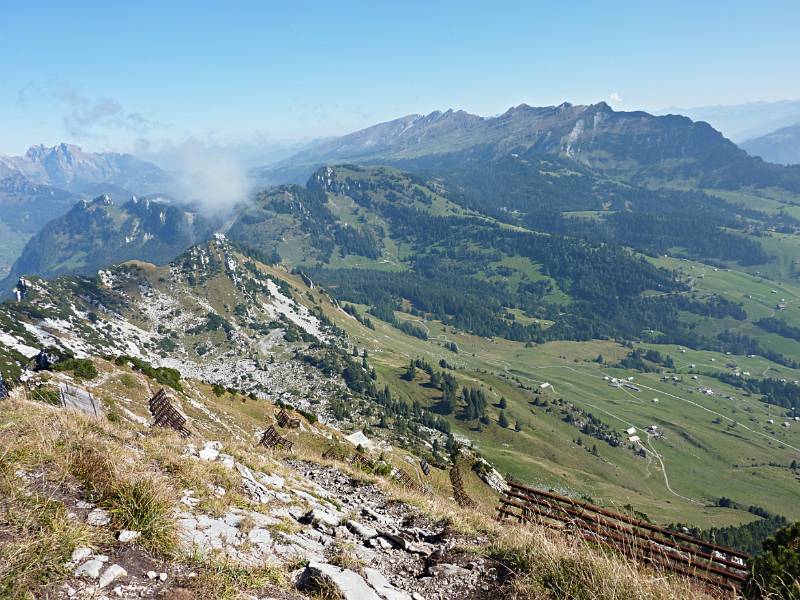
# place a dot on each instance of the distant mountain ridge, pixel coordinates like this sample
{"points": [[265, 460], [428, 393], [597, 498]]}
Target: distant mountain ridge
{"points": [[68, 167], [636, 147], [97, 233], [741, 122], [781, 146], [26, 206]]}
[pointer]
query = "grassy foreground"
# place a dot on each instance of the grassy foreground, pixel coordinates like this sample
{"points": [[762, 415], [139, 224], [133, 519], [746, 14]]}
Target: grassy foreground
{"points": [[50, 458]]}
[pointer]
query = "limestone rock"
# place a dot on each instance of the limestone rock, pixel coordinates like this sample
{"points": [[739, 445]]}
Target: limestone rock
{"points": [[318, 515], [364, 531], [254, 488], [448, 570], [382, 586], [98, 517], [90, 569], [210, 451], [111, 574], [349, 584], [126, 535], [80, 554]]}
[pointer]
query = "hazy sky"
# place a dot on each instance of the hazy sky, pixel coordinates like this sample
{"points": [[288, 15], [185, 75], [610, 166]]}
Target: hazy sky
{"points": [[120, 75]]}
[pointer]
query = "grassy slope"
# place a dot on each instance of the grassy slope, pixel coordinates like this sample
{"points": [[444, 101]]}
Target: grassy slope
{"points": [[699, 455]]}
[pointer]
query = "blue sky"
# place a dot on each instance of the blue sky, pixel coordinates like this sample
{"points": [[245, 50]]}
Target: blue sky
{"points": [[117, 75]]}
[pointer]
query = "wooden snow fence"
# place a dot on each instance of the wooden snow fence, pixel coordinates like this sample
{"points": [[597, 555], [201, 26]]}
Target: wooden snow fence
{"points": [[461, 497], [360, 461], [284, 420], [166, 415], [335, 453], [662, 548], [356, 458], [408, 482], [67, 396], [272, 439], [426, 468]]}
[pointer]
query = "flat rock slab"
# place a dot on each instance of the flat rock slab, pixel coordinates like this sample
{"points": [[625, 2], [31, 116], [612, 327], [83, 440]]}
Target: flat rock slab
{"points": [[348, 583], [365, 531], [382, 586]]}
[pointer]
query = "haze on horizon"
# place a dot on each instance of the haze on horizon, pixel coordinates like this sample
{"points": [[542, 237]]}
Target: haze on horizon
{"points": [[262, 78]]}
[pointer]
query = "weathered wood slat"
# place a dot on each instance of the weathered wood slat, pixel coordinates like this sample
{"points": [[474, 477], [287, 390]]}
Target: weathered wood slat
{"points": [[461, 496], [284, 420], [673, 551], [272, 439], [166, 415]]}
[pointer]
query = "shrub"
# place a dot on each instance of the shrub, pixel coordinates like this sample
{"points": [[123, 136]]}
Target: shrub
{"points": [[163, 375], [82, 368], [775, 573]]}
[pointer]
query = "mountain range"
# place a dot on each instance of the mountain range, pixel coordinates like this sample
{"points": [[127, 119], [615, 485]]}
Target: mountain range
{"points": [[634, 147], [501, 279], [746, 121], [67, 167], [47, 181]]}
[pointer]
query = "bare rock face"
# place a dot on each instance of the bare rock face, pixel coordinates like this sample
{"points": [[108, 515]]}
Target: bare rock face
{"points": [[349, 584]]}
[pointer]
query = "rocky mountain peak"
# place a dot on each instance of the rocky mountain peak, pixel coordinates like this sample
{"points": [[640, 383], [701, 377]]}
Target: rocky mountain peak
{"points": [[97, 202]]}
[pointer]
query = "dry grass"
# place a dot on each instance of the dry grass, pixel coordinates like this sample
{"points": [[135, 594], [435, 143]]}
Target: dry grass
{"points": [[545, 564], [224, 579], [95, 461], [343, 556], [37, 537], [135, 476]]}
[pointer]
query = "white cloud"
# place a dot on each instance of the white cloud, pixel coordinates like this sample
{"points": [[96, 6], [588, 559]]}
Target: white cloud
{"points": [[207, 177], [615, 97]]}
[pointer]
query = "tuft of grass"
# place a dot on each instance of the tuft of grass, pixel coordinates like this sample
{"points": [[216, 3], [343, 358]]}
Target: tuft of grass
{"points": [[343, 556], [144, 504], [224, 579], [139, 502]]}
